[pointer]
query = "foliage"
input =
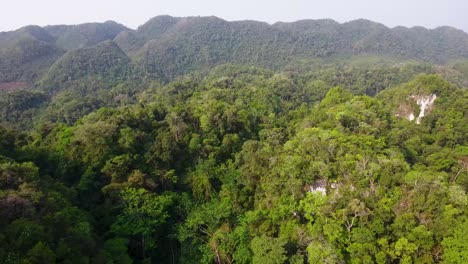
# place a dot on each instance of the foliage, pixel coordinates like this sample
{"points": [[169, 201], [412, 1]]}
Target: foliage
{"points": [[291, 164]]}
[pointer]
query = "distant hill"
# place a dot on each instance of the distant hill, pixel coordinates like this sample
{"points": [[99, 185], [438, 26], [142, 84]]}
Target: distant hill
{"points": [[166, 47], [105, 62], [27, 53], [84, 35], [179, 45]]}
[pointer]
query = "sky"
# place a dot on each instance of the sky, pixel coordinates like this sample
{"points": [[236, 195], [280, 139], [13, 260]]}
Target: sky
{"points": [[132, 13]]}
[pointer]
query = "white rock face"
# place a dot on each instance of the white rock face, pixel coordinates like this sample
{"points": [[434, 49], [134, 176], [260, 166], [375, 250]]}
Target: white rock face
{"points": [[319, 189], [411, 117], [425, 102], [319, 186]]}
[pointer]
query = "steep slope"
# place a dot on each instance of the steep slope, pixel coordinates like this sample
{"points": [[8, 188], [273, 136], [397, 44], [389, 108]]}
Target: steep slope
{"points": [[129, 41], [166, 47], [33, 32], [422, 102], [179, 45], [199, 43], [26, 53], [84, 35], [191, 44], [105, 62], [157, 26]]}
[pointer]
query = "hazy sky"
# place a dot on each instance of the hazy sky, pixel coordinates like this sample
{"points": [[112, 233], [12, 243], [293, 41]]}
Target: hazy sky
{"points": [[132, 13]]}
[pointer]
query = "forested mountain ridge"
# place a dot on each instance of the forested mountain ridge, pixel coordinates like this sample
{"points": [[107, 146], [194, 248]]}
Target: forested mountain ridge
{"points": [[105, 60], [185, 44], [26, 54], [84, 35], [77, 66]]}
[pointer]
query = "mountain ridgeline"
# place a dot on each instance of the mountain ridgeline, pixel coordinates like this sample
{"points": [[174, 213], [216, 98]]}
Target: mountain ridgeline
{"points": [[166, 47], [61, 73]]}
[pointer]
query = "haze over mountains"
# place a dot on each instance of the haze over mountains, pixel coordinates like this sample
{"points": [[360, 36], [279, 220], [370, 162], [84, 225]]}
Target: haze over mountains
{"points": [[166, 46]]}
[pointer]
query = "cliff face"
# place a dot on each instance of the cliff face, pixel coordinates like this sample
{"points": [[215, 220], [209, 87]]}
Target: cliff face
{"points": [[417, 107], [425, 103]]}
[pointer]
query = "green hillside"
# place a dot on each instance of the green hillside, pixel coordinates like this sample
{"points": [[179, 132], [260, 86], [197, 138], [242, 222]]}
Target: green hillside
{"points": [[185, 44], [105, 61], [166, 47], [26, 54], [84, 35]]}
